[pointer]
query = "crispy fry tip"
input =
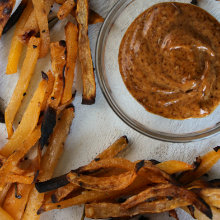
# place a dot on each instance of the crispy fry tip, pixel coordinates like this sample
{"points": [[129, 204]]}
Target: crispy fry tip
{"points": [[88, 101], [154, 162], [216, 149], [139, 165], [126, 138], [44, 75], [62, 43]]}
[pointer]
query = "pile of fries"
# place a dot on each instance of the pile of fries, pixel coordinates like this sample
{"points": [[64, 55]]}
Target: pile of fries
{"points": [[35, 146], [109, 186], [116, 187]]}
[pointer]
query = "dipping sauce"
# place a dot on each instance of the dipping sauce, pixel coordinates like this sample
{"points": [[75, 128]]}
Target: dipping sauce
{"points": [[169, 59]]}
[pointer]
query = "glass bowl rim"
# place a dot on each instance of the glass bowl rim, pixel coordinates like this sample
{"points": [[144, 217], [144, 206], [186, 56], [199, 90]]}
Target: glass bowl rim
{"points": [[161, 136]]}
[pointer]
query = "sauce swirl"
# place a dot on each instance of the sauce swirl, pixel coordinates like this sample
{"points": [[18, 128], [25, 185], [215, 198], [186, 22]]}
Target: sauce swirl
{"points": [[169, 59]]}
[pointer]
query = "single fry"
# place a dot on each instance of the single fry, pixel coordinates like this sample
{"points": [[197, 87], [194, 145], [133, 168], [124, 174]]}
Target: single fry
{"points": [[25, 127], [114, 149], [16, 200], [107, 210], [85, 58], [58, 64], [42, 21], [4, 215], [95, 18], [27, 71], [71, 32], [31, 27], [174, 166], [16, 45], [49, 162], [6, 8], [207, 162], [103, 184], [65, 9]]}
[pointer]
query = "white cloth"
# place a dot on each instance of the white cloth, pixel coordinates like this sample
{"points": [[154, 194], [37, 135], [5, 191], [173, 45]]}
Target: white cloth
{"points": [[97, 126]]}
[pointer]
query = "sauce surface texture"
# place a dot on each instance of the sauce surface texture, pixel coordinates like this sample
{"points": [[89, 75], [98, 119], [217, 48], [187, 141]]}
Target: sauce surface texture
{"points": [[169, 59]]}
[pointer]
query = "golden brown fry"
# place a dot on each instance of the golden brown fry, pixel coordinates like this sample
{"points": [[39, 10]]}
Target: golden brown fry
{"points": [[65, 9], [16, 45], [49, 161], [42, 21], [107, 210], [4, 215], [27, 71], [112, 151], [31, 27], [85, 58], [103, 184], [25, 127], [95, 18], [16, 200], [207, 162], [71, 32], [58, 64], [107, 163], [6, 8], [174, 166]]}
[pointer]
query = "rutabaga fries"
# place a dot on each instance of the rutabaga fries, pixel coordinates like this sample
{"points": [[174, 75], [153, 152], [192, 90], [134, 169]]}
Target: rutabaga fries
{"points": [[49, 161], [42, 21], [6, 8], [169, 191], [103, 184], [65, 9], [31, 27], [94, 17], [29, 120], [58, 58], [107, 210], [174, 166], [4, 215], [206, 163], [27, 70], [71, 32], [112, 151], [85, 58], [10, 164], [16, 200], [16, 45]]}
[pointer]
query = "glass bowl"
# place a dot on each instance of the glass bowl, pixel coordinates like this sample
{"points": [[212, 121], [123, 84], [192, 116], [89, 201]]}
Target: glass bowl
{"points": [[116, 93]]}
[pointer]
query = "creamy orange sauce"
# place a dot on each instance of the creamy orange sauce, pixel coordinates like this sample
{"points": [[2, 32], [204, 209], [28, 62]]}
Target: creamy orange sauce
{"points": [[169, 60]]}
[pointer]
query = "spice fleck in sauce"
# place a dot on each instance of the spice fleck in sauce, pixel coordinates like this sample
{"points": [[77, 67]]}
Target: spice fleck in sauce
{"points": [[169, 60]]}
